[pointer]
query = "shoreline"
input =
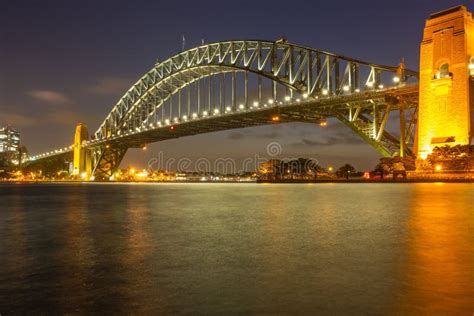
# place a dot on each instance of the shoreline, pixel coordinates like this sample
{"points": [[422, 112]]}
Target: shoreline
{"points": [[369, 181], [287, 181]]}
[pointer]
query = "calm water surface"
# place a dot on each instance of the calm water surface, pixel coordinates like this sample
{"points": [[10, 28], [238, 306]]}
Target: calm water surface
{"points": [[237, 248]]}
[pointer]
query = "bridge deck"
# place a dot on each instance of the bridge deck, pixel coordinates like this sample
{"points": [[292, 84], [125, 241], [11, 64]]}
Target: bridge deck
{"points": [[310, 111]]}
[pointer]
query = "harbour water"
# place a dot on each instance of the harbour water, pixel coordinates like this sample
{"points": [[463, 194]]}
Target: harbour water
{"points": [[237, 248]]}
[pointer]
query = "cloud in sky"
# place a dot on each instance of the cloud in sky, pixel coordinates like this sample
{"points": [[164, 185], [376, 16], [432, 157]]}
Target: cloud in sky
{"points": [[111, 86], [17, 120], [49, 96]]}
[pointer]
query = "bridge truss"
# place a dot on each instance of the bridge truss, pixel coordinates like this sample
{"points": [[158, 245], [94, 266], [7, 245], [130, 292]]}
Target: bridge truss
{"points": [[237, 84]]}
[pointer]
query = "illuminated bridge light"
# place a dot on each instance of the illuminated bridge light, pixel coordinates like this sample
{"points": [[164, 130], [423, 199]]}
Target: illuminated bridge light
{"points": [[176, 120], [287, 98], [298, 100], [270, 101], [205, 113], [228, 109], [185, 117], [396, 79], [380, 86], [357, 90], [305, 95], [255, 104], [241, 106], [345, 88], [195, 115], [325, 92], [216, 111], [370, 84], [159, 124], [167, 121]]}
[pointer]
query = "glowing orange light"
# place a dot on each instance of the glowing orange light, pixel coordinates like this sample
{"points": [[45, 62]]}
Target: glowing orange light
{"points": [[107, 146], [172, 127], [275, 118], [438, 167]]}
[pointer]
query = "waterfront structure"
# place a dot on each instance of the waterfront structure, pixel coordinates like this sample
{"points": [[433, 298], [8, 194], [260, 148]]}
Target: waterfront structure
{"points": [[206, 89], [446, 110], [81, 161]]}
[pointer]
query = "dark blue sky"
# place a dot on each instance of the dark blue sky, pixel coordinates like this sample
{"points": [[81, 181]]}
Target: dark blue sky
{"points": [[62, 62]]}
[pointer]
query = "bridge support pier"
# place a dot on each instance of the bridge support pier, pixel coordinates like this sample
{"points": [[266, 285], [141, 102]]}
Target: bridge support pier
{"points": [[82, 156], [106, 160], [402, 130], [446, 61]]}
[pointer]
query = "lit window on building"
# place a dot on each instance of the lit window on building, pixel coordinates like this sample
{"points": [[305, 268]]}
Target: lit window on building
{"points": [[443, 71]]}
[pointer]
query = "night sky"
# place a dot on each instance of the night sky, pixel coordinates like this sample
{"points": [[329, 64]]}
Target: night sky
{"points": [[64, 62]]}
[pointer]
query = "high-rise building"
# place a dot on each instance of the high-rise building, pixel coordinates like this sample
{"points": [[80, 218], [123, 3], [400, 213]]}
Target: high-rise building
{"points": [[9, 145]]}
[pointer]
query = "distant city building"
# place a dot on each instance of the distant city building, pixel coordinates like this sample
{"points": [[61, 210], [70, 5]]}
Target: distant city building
{"points": [[9, 140], [9, 146]]}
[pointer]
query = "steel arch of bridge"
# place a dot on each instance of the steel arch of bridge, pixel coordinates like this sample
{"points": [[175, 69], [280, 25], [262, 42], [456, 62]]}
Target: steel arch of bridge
{"points": [[358, 93], [301, 69]]}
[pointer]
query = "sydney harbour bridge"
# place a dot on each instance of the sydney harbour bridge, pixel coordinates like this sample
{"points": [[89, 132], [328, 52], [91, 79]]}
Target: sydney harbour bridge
{"points": [[243, 83], [238, 84]]}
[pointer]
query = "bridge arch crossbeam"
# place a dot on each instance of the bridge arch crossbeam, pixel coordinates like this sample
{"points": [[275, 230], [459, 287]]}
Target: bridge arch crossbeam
{"points": [[299, 68]]}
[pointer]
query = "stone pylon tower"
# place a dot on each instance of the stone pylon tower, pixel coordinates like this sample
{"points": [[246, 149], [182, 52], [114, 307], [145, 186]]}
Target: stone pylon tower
{"points": [[446, 81], [82, 156]]}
